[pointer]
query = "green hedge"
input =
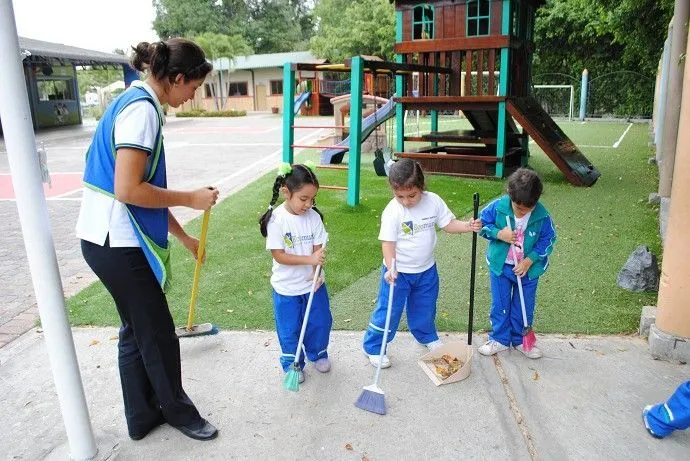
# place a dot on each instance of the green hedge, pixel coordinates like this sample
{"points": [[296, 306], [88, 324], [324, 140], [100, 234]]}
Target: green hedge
{"points": [[205, 113]]}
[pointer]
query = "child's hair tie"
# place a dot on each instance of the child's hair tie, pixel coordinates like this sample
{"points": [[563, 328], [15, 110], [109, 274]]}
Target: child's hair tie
{"points": [[270, 207], [310, 164], [284, 169]]}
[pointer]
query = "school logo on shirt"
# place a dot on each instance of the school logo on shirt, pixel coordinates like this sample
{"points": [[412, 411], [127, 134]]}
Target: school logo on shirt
{"points": [[408, 227], [287, 239], [292, 240]]}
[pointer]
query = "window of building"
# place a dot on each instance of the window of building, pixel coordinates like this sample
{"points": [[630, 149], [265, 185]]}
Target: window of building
{"points": [[530, 22], [237, 89], [276, 87], [478, 17], [208, 91], [516, 19], [54, 89], [423, 22]]}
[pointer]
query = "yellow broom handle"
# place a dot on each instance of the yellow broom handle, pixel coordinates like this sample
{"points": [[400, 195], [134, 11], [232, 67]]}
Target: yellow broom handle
{"points": [[197, 268]]}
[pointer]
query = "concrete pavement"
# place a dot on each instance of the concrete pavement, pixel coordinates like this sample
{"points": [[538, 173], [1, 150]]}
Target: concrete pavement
{"points": [[581, 402]]}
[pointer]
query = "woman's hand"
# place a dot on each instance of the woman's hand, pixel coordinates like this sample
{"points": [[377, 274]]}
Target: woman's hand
{"points": [[204, 198], [192, 244]]}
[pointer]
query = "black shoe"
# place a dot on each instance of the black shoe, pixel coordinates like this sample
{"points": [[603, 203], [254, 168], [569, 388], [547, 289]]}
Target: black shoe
{"points": [[201, 430], [157, 422]]}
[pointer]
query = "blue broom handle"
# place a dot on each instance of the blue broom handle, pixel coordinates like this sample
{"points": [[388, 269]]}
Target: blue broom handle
{"points": [[519, 281], [317, 272], [388, 323]]}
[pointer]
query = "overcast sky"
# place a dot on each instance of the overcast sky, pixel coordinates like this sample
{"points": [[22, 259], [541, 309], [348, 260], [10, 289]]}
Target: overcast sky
{"points": [[101, 25]]}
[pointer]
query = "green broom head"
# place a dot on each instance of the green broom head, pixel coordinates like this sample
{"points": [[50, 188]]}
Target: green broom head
{"points": [[291, 381]]}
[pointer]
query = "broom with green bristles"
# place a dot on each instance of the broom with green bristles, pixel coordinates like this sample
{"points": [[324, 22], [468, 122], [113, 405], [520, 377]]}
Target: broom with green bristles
{"points": [[291, 381], [372, 397]]}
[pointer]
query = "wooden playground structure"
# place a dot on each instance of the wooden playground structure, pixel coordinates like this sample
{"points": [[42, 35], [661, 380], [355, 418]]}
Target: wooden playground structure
{"points": [[473, 57]]}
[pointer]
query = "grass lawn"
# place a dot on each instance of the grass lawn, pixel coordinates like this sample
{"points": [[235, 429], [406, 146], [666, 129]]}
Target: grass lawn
{"points": [[597, 228]]}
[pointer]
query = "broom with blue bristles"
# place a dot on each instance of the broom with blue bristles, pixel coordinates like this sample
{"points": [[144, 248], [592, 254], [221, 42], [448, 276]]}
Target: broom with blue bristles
{"points": [[291, 381], [372, 397]]}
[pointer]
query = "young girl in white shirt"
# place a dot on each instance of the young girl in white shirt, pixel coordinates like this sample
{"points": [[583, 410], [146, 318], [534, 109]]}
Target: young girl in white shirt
{"points": [[408, 234], [295, 235]]}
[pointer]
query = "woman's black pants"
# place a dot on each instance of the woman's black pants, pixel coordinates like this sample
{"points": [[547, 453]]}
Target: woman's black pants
{"points": [[148, 350]]}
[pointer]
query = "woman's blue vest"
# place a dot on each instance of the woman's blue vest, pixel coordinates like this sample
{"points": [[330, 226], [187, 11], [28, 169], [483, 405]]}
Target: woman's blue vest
{"points": [[150, 224]]}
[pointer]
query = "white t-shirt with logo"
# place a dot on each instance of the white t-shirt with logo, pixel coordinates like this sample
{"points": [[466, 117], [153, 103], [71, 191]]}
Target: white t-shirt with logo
{"points": [[296, 235], [414, 231], [101, 216], [517, 249]]}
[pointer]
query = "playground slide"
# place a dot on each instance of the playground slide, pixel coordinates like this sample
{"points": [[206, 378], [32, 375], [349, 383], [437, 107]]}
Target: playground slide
{"points": [[300, 99], [553, 141], [369, 124]]}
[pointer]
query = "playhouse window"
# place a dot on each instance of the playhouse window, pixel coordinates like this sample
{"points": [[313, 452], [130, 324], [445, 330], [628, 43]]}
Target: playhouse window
{"points": [[423, 22], [478, 17], [237, 89]]}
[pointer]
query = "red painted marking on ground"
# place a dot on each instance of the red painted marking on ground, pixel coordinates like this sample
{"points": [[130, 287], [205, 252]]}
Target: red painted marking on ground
{"points": [[61, 183]]}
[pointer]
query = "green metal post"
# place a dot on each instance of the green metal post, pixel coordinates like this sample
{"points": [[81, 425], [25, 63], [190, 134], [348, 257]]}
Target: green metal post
{"points": [[399, 89], [503, 91], [434, 113], [288, 113], [355, 154]]}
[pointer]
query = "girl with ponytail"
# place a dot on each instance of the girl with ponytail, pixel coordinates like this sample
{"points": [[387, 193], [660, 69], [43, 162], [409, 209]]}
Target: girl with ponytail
{"points": [[295, 236]]}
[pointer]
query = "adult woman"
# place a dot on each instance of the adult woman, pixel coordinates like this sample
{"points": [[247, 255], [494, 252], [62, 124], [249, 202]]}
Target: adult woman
{"points": [[123, 226]]}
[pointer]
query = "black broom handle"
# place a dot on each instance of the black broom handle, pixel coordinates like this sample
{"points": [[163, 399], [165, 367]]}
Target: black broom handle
{"points": [[475, 213]]}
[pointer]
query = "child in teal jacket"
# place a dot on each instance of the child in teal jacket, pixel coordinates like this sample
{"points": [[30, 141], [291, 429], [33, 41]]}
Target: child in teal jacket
{"points": [[517, 227]]}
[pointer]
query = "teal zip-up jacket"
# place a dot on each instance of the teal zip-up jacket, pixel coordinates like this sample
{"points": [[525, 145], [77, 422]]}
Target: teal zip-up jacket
{"points": [[540, 236]]}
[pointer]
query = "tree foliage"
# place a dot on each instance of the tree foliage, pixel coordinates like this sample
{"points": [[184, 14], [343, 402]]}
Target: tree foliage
{"points": [[348, 28], [619, 42]]}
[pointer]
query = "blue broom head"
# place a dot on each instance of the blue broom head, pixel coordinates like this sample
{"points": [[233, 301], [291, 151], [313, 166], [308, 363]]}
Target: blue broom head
{"points": [[291, 381], [372, 399]]}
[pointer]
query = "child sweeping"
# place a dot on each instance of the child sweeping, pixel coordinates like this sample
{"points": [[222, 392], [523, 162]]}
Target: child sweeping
{"points": [[295, 235], [408, 234], [529, 240]]}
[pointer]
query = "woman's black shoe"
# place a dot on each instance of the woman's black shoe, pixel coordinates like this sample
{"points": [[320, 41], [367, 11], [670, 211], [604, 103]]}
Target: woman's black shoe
{"points": [[201, 430]]}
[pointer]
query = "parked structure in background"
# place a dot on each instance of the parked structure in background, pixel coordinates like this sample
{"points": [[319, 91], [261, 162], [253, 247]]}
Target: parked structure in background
{"points": [[51, 79]]}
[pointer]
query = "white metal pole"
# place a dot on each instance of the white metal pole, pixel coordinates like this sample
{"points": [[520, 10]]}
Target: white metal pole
{"points": [[572, 103], [38, 240]]}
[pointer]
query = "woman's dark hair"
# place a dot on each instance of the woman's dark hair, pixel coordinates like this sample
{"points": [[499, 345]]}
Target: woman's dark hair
{"points": [[524, 187], [406, 173], [294, 181], [172, 57]]}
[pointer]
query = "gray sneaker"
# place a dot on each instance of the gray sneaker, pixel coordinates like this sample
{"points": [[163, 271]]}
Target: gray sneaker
{"points": [[323, 365], [491, 347]]}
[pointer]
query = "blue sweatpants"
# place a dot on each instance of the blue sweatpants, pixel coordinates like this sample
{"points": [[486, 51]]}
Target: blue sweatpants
{"points": [[289, 313], [672, 415], [506, 312], [419, 292]]}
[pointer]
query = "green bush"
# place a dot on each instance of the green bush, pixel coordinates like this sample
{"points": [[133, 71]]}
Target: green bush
{"points": [[205, 113]]}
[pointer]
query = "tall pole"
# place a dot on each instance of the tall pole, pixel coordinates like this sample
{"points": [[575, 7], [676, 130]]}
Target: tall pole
{"points": [[673, 310], [681, 11], [663, 92], [38, 240], [583, 94]]}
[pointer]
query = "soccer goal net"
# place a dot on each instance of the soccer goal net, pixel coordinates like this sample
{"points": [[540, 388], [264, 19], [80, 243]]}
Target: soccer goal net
{"points": [[557, 100]]}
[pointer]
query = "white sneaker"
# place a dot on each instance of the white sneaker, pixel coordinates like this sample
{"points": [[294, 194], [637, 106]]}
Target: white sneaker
{"points": [[434, 344], [374, 360], [534, 353], [491, 347]]}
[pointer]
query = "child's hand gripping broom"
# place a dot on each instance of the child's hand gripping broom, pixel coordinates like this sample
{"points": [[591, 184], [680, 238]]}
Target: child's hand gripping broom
{"points": [[372, 397], [205, 328], [529, 339], [291, 381]]}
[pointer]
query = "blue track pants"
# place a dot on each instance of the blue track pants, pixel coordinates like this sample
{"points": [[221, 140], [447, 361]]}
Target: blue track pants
{"points": [[419, 292], [506, 312], [289, 313], [672, 415]]}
